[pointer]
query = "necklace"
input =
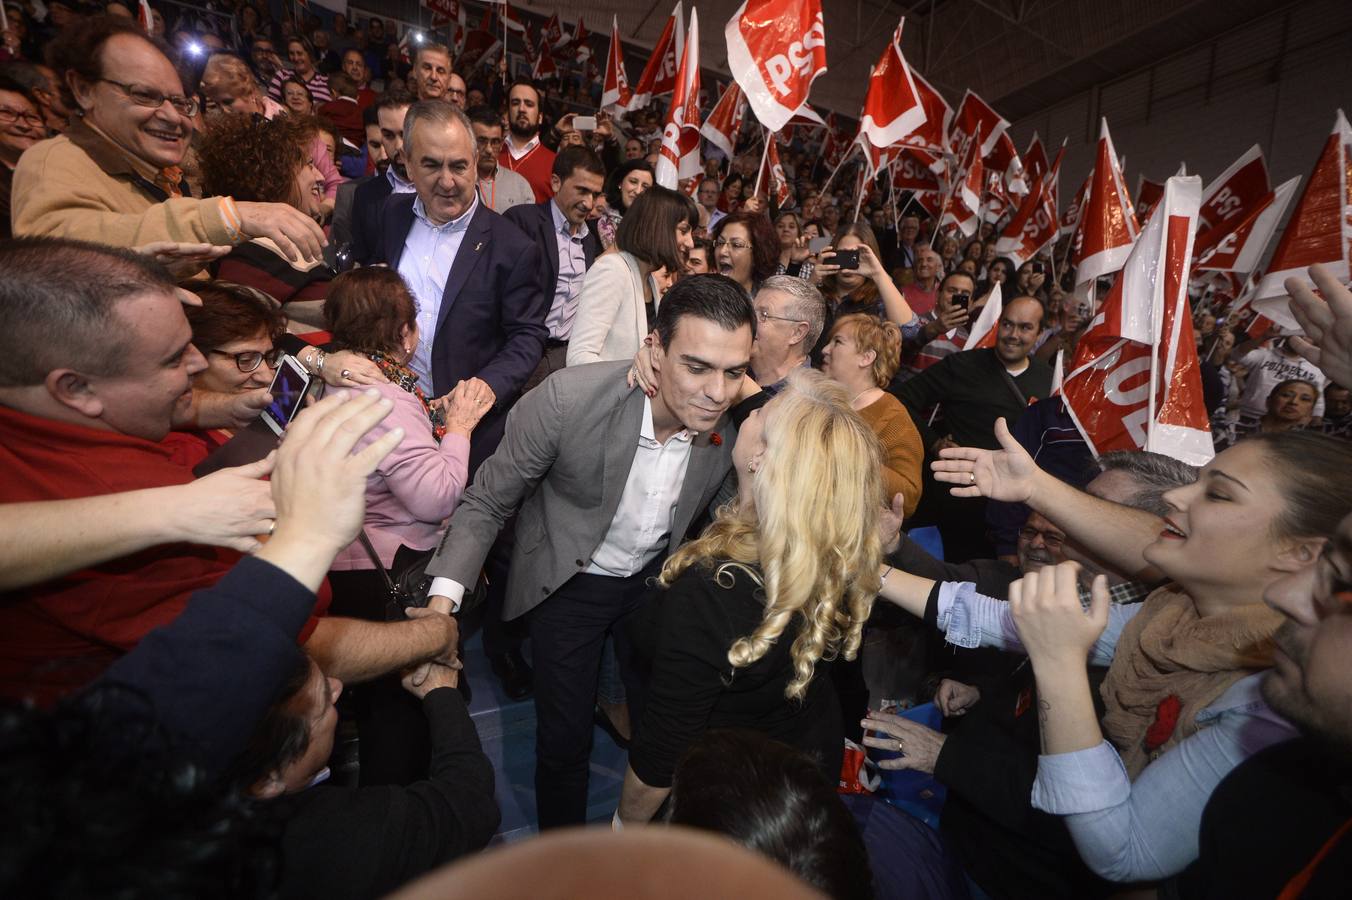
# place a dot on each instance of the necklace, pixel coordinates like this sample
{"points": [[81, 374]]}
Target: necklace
{"points": [[862, 393]]}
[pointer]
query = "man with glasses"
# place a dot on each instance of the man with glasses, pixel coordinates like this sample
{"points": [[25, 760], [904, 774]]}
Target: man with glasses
{"points": [[21, 127], [115, 177], [790, 315], [499, 187]]}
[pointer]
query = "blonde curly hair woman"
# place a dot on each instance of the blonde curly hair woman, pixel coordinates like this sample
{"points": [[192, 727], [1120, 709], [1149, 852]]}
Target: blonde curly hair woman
{"points": [[783, 579]]}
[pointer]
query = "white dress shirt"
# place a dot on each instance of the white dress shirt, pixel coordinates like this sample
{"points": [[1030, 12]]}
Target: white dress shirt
{"points": [[572, 267], [429, 251], [641, 527], [397, 184]]}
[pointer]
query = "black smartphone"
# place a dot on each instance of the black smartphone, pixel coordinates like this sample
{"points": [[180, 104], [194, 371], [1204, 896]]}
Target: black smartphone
{"points": [[961, 300], [1039, 268], [846, 259]]}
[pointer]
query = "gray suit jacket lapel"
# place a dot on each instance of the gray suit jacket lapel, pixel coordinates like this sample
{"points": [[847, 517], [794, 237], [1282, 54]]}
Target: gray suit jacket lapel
{"points": [[704, 457], [621, 443]]}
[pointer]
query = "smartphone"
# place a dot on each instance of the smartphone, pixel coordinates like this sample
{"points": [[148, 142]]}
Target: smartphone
{"points": [[584, 123], [1039, 268], [846, 259], [961, 300], [818, 244], [288, 390]]}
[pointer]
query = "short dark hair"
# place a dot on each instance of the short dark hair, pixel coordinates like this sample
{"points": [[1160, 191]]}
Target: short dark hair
{"points": [[764, 241], [341, 85], [79, 49], [772, 798], [484, 115], [956, 274], [280, 737], [395, 97], [231, 312], [570, 159], [530, 83], [305, 43], [14, 86], [648, 229], [617, 175], [368, 308], [40, 300], [714, 297]]}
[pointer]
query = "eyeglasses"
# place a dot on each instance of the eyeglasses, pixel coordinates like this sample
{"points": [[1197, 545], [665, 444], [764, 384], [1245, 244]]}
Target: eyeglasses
{"points": [[150, 98], [252, 359], [765, 316], [1052, 540], [10, 116], [734, 244], [489, 142]]}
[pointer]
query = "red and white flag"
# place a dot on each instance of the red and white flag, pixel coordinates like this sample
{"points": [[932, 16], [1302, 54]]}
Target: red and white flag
{"points": [[1004, 160], [615, 95], [1035, 163], [892, 107], [911, 172], [1148, 193], [1107, 228], [1135, 382], [776, 49], [690, 186], [975, 114], [144, 18], [773, 173], [679, 155], [1239, 249], [544, 66], [1320, 230], [579, 41], [933, 134], [986, 328], [1070, 219], [1032, 228], [510, 19], [1236, 190], [964, 197], [1054, 176], [552, 34], [725, 121], [659, 75]]}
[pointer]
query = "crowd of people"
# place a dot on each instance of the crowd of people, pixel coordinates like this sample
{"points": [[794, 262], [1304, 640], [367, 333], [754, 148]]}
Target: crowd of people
{"points": [[320, 348]]}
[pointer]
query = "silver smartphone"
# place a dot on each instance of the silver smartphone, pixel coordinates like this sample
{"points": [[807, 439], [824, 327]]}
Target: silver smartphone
{"points": [[288, 389]]}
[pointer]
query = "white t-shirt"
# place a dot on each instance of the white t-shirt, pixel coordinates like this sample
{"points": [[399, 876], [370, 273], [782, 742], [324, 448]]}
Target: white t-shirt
{"points": [[1269, 367]]}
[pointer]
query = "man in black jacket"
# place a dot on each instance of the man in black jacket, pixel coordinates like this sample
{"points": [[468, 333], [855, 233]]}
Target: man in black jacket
{"points": [[368, 200], [568, 245], [973, 388]]}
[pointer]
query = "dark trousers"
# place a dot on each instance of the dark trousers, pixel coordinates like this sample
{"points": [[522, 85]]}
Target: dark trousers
{"points": [[393, 740], [567, 633]]}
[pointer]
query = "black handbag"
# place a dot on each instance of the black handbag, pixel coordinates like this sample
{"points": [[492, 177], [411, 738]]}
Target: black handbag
{"points": [[407, 582]]}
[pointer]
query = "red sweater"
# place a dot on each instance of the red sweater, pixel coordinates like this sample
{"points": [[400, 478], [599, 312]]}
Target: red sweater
{"points": [[58, 636], [536, 167]]}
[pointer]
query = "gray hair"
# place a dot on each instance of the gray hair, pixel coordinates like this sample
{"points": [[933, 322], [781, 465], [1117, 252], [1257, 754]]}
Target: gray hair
{"points": [[442, 112], [805, 303], [1154, 474]]}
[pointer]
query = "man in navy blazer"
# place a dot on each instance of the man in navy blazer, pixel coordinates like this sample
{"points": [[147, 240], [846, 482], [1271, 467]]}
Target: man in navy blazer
{"points": [[368, 201], [568, 245], [475, 275]]}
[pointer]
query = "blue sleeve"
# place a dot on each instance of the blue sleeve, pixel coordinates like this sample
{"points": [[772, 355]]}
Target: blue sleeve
{"points": [[969, 619], [1148, 829], [209, 675]]}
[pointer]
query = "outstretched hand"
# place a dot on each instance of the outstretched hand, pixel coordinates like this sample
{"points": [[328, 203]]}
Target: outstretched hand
{"points": [[1053, 626], [1327, 323], [1006, 474]]}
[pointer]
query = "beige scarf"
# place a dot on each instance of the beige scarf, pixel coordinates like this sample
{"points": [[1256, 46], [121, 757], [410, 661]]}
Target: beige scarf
{"points": [[1167, 651]]}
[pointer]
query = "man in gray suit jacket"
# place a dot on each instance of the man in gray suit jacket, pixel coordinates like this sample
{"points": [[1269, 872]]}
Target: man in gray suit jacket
{"points": [[608, 481]]}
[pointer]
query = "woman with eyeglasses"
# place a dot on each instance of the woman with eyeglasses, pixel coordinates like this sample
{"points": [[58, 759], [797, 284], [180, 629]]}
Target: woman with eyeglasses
{"points": [[746, 249], [21, 127], [618, 302]]}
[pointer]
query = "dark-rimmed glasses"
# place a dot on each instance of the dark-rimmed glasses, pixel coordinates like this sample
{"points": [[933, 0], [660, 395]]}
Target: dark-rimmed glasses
{"points": [[150, 98], [252, 359]]}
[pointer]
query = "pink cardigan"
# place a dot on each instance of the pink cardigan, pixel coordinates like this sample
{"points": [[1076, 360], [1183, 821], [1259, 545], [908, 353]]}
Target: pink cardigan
{"points": [[415, 488]]}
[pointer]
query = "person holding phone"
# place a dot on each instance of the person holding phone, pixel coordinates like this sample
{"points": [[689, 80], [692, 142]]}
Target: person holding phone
{"points": [[854, 281]]}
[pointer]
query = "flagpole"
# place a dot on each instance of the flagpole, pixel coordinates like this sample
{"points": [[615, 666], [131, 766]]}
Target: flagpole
{"points": [[844, 159], [859, 201], [760, 173]]}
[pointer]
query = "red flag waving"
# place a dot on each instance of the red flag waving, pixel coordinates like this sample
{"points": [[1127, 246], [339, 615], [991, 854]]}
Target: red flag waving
{"points": [[933, 134], [776, 49], [964, 197], [1135, 383], [659, 75], [774, 173], [1032, 228], [1035, 159], [615, 94], [553, 32], [144, 17], [1107, 227], [1236, 190], [892, 109], [911, 171], [725, 122], [679, 155], [1239, 249], [1320, 230], [1148, 193], [986, 328], [976, 114]]}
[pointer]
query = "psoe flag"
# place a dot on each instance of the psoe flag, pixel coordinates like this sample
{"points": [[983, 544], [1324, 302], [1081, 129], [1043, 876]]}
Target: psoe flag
{"points": [[776, 49], [892, 109], [1135, 382], [679, 155]]}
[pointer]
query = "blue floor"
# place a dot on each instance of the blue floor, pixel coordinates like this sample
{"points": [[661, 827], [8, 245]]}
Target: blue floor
{"points": [[507, 731]]}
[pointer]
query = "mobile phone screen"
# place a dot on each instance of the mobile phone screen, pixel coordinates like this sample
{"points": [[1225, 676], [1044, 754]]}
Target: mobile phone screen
{"points": [[288, 393]]}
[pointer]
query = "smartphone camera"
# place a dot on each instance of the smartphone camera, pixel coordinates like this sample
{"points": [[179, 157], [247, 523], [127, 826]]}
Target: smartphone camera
{"points": [[962, 300], [846, 259]]}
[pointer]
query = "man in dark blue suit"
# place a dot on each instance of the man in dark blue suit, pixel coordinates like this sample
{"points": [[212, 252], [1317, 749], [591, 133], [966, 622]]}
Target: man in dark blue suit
{"points": [[476, 276], [368, 201], [568, 245]]}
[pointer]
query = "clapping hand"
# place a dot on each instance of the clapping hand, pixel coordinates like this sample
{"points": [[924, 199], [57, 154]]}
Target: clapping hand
{"points": [[955, 698], [1053, 627], [1327, 324]]}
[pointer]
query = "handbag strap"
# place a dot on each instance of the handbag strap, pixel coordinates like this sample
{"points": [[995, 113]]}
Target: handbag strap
{"points": [[375, 558]]}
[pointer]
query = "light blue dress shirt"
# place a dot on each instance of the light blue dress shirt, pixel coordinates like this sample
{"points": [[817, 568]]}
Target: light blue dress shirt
{"points": [[429, 251], [572, 267]]}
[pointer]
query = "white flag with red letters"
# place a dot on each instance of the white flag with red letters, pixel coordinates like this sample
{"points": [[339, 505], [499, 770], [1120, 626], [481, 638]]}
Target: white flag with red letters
{"points": [[725, 121], [659, 75], [615, 94], [1032, 228], [1107, 228], [1135, 382], [679, 155]]}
